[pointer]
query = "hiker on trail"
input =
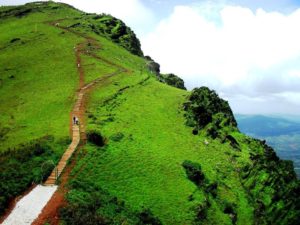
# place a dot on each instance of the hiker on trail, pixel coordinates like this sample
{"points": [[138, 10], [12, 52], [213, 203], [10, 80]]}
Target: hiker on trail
{"points": [[74, 120]]}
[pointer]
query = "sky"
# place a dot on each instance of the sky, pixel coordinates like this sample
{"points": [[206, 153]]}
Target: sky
{"points": [[246, 50]]}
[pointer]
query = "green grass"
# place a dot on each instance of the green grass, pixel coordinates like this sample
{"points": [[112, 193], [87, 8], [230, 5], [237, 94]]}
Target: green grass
{"points": [[142, 120], [144, 168], [94, 68], [41, 62]]}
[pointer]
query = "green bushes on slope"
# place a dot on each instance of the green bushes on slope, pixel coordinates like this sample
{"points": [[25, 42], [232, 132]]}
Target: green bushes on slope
{"points": [[89, 204], [271, 183], [115, 30], [193, 172], [204, 109], [26, 164], [96, 138], [172, 80]]}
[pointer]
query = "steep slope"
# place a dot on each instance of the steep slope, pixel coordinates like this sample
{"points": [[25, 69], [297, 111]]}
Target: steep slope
{"points": [[39, 79], [155, 154], [283, 134]]}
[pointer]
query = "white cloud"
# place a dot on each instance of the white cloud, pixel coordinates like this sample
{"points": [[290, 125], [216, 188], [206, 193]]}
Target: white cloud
{"points": [[232, 49], [250, 57]]}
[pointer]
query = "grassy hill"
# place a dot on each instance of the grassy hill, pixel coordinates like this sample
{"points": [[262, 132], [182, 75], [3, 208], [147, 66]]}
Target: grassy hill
{"points": [[155, 154]]}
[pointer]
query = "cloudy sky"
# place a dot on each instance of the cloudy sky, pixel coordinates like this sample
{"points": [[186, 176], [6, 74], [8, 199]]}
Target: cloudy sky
{"points": [[247, 50]]}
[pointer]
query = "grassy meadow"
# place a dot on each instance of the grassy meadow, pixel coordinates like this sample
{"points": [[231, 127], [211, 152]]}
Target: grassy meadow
{"points": [[143, 174]]}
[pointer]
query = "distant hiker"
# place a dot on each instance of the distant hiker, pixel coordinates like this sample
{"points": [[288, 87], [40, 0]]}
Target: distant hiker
{"points": [[74, 120], [78, 65]]}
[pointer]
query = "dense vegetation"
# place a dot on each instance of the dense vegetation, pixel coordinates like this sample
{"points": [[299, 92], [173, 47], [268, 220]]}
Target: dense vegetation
{"points": [[282, 133], [262, 176], [115, 30], [172, 80], [95, 206], [27, 164], [272, 185], [37, 84], [204, 109], [142, 164]]}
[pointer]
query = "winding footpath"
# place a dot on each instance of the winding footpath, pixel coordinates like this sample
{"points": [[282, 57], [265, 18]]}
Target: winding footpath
{"points": [[30, 208]]}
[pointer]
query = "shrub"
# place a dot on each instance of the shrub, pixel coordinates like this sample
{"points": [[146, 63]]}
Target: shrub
{"points": [[117, 31], [201, 211], [14, 40], [193, 172], [172, 80], [147, 217], [117, 137], [204, 107], [233, 142], [21, 166], [96, 138], [96, 206], [212, 188], [229, 209]]}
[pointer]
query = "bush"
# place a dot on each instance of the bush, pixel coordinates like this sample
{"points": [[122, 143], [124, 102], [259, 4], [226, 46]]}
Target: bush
{"points": [[201, 211], [172, 80], [229, 209], [233, 142], [193, 172], [204, 107], [117, 137], [212, 189], [21, 166], [279, 184], [146, 217], [115, 30], [96, 138], [96, 206]]}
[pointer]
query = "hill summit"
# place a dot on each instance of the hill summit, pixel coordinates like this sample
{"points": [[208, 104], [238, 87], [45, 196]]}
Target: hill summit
{"points": [[150, 152]]}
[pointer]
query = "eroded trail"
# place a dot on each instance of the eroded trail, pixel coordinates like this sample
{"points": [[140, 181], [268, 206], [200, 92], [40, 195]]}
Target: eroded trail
{"points": [[42, 203]]}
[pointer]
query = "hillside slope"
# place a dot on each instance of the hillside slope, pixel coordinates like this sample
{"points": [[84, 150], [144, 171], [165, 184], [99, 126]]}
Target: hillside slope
{"points": [[155, 154], [281, 133]]}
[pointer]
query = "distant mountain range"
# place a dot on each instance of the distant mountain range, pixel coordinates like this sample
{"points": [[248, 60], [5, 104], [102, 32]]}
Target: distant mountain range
{"points": [[266, 126], [281, 132]]}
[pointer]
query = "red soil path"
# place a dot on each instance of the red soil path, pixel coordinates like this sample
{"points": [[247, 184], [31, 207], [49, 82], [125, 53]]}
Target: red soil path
{"points": [[50, 212]]}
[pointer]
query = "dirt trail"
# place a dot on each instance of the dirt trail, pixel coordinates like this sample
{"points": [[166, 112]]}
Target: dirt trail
{"points": [[50, 211], [78, 132]]}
